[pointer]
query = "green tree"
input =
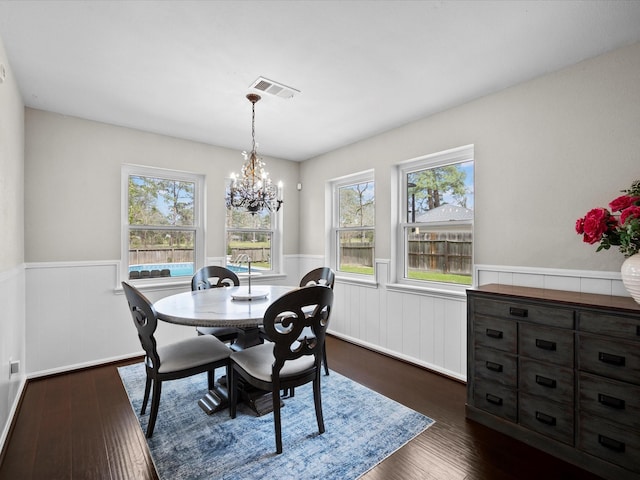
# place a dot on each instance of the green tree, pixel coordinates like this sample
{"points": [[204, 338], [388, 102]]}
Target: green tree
{"points": [[159, 202], [143, 208], [357, 205], [434, 183], [178, 198]]}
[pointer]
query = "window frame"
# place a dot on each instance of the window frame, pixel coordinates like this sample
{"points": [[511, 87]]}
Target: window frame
{"points": [[335, 229], [275, 230], [439, 159], [199, 215]]}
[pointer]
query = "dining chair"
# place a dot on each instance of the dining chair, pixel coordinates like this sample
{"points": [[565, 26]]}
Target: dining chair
{"points": [[318, 276], [288, 360], [214, 276], [169, 362]]}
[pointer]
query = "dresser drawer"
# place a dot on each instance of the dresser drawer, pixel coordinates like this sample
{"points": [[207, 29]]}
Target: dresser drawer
{"points": [[546, 381], [496, 399], [615, 401], [548, 344], [615, 359], [495, 333], [496, 366], [531, 312], [610, 441], [621, 326], [554, 420]]}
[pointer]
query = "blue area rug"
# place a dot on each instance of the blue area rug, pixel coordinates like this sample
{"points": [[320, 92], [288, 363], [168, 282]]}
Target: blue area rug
{"points": [[362, 429]]}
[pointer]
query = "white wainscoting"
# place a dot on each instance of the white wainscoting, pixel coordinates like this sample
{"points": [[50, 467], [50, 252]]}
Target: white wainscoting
{"points": [[12, 345], [76, 317], [420, 327], [605, 283]]}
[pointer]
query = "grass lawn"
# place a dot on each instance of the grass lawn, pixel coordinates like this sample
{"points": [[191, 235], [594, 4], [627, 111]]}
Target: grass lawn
{"points": [[415, 275], [440, 277]]}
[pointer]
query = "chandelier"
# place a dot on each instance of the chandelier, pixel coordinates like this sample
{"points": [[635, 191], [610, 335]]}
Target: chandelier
{"points": [[253, 189]]}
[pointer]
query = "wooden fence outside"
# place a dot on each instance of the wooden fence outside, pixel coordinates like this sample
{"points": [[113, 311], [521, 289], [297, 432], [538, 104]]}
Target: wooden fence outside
{"points": [[447, 252], [361, 254], [185, 255], [160, 256], [258, 254]]}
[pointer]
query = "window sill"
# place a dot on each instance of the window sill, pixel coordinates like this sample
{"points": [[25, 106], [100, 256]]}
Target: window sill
{"points": [[364, 282], [263, 278], [158, 284], [456, 292]]}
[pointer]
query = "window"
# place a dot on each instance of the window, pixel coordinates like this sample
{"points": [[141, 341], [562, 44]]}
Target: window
{"points": [[436, 228], [253, 236], [162, 217], [353, 232]]}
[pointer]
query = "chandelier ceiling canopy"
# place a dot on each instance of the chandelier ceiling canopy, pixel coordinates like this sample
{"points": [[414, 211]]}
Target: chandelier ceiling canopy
{"points": [[253, 189]]}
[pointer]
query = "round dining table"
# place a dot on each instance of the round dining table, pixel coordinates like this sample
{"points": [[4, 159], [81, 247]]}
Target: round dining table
{"points": [[223, 307], [220, 307]]}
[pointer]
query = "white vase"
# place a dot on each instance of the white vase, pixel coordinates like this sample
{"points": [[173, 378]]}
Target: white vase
{"points": [[630, 272]]}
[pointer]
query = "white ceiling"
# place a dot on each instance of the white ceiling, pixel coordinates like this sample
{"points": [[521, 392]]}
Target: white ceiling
{"points": [[183, 68]]}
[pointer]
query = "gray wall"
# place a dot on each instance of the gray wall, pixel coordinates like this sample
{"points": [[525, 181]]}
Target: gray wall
{"points": [[546, 152]]}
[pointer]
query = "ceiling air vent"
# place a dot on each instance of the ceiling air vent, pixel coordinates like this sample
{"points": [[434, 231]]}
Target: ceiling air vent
{"points": [[274, 88]]}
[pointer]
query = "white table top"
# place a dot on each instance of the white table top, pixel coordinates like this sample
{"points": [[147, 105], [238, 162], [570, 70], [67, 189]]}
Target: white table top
{"points": [[215, 307]]}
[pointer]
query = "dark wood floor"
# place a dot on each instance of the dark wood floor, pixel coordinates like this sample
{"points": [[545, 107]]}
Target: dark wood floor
{"points": [[80, 426]]}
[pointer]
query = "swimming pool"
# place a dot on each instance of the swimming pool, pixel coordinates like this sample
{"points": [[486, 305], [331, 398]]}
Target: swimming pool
{"points": [[177, 269], [238, 269]]}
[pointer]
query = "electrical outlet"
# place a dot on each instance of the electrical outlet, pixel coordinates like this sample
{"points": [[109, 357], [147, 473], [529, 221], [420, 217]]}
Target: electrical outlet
{"points": [[14, 367]]}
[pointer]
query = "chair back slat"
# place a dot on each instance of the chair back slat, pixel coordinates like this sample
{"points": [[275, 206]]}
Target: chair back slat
{"points": [[145, 320], [214, 276], [319, 276]]}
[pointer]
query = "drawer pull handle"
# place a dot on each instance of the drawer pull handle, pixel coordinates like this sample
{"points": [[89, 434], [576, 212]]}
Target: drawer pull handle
{"points": [[518, 312], [494, 333], [638, 331], [611, 359], [496, 367], [611, 444], [493, 399], [546, 344], [611, 401], [545, 382], [546, 419]]}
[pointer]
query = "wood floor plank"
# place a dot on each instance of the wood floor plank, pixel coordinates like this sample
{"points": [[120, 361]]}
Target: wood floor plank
{"points": [[53, 447], [90, 458], [19, 451], [125, 443]]}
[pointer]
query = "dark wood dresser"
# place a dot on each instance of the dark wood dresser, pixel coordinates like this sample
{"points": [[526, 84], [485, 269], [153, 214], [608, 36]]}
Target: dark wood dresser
{"points": [[560, 371]]}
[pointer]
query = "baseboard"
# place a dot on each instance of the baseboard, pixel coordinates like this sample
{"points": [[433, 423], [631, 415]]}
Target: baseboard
{"points": [[13, 414], [82, 366]]}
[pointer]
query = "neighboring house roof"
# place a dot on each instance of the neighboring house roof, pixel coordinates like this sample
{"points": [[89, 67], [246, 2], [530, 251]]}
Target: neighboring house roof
{"points": [[446, 213]]}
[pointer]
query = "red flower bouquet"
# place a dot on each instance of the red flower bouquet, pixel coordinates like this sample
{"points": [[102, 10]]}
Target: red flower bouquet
{"points": [[619, 227]]}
